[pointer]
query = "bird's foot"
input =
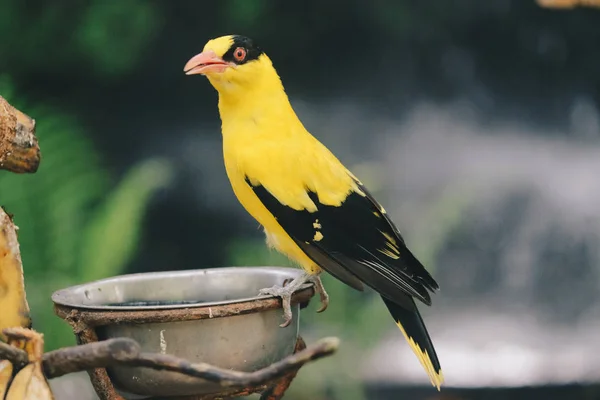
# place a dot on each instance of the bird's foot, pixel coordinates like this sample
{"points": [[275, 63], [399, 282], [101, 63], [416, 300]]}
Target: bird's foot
{"points": [[320, 289], [285, 293]]}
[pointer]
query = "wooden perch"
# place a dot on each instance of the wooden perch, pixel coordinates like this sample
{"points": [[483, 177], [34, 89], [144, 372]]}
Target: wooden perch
{"points": [[124, 351], [19, 148], [16, 356], [13, 303], [29, 382], [88, 356], [567, 4], [228, 378], [19, 152]]}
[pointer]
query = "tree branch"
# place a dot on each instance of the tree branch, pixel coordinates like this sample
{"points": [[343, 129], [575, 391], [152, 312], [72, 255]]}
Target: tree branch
{"points": [[19, 148], [13, 302], [228, 378], [123, 351], [17, 357], [567, 4], [89, 356]]}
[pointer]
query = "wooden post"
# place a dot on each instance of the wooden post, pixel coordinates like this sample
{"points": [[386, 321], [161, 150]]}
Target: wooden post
{"points": [[13, 303], [19, 152], [567, 4], [19, 148]]}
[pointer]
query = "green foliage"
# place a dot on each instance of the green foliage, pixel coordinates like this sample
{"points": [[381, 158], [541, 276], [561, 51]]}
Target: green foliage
{"points": [[246, 13], [105, 253], [106, 38], [73, 226], [113, 34]]}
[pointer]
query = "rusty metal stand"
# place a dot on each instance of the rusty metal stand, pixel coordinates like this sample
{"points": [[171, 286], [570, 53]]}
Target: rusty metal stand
{"points": [[272, 381], [270, 390], [84, 324], [273, 390]]}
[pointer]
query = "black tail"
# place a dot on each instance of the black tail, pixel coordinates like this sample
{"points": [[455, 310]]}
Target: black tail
{"points": [[413, 328]]}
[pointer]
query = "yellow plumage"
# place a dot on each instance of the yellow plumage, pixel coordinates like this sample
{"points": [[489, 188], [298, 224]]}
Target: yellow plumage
{"points": [[248, 151], [436, 377], [257, 123], [282, 176]]}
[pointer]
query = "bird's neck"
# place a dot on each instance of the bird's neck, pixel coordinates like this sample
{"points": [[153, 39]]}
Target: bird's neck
{"points": [[262, 100], [247, 104]]}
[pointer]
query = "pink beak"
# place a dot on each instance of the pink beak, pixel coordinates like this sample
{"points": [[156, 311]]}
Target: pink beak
{"points": [[205, 62]]}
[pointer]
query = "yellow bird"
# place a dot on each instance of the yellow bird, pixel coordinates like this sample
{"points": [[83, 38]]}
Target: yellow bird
{"points": [[312, 208]]}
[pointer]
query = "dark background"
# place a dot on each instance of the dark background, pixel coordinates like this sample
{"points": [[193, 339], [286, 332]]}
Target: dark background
{"points": [[475, 123]]}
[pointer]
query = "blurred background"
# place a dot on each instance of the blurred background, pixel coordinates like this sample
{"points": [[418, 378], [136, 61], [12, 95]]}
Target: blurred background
{"points": [[475, 123]]}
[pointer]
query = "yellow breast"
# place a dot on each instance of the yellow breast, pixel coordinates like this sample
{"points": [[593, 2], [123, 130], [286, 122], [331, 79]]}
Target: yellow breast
{"points": [[276, 236]]}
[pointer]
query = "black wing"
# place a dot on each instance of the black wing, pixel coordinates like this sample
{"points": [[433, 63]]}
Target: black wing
{"points": [[355, 242]]}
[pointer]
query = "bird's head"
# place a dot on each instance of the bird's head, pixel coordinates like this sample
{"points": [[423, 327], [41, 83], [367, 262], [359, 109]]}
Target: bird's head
{"points": [[231, 63]]}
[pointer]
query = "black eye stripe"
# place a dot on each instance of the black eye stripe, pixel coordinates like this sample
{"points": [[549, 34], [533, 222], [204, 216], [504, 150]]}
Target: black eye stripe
{"points": [[252, 50]]}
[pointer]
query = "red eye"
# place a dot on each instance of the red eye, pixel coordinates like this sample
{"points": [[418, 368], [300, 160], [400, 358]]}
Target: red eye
{"points": [[239, 54]]}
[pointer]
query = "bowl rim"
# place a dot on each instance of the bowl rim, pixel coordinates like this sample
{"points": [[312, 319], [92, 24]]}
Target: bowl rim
{"points": [[66, 297]]}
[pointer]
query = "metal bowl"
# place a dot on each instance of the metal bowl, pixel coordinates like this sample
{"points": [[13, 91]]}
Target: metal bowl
{"points": [[208, 315]]}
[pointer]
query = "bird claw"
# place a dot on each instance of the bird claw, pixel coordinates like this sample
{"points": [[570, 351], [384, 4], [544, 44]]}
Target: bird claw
{"points": [[289, 287], [286, 300], [270, 291], [320, 289]]}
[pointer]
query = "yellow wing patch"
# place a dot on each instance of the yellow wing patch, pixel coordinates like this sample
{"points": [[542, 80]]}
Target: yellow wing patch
{"points": [[389, 253], [360, 192], [318, 236], [390, 239], [437, 378], [391, 245]]}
